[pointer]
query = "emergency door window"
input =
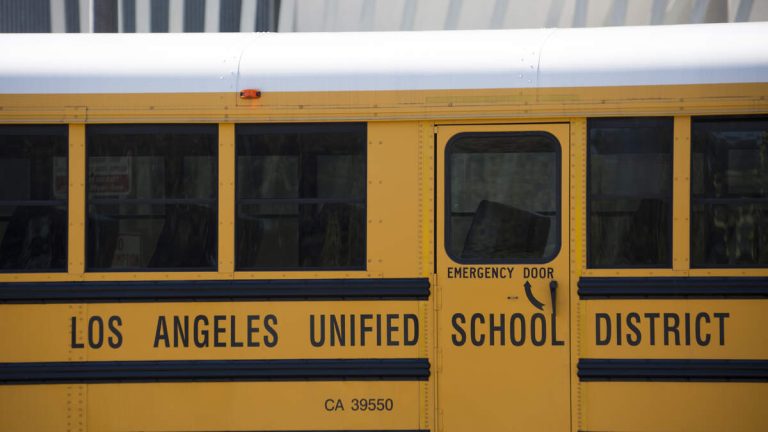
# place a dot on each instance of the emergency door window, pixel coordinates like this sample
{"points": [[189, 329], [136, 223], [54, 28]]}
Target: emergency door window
{"points": [[502, 197]]}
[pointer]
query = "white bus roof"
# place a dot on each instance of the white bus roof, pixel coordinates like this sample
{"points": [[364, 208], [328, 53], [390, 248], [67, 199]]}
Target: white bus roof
{"points": [[380, 61]]}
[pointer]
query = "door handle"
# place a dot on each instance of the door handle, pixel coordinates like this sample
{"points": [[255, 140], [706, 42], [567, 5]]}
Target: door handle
{"points": [[553, 296]]}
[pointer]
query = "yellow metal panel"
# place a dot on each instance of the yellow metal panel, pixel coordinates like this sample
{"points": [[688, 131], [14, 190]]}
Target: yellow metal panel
{"points": [[389, 105], [681, 210], [393, 200], [726, 329], [250, 406], [226, 214], [171, 331], [578, 233], [620, 406], [76, 201], [42, 408]]}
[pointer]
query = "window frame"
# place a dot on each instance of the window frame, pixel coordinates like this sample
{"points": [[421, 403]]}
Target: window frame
{"points": [[558, 196], [707, 119], [64, 128], [296, 128], [149, 128], [588, 201]]}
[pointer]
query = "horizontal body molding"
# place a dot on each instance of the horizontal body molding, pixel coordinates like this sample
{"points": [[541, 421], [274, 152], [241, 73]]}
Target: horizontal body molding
{"points": [[217, 290], [673, 370], [215, 371], [595, 288]]}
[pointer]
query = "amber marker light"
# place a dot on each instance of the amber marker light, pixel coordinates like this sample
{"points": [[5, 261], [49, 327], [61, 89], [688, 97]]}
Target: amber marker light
{"points": [[250, 94]]}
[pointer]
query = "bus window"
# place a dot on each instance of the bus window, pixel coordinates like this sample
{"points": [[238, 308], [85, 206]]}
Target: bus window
{"points": [[300, 196], [502, 197], [630, 192], [33, 198], [729, 192], [151, 197]]}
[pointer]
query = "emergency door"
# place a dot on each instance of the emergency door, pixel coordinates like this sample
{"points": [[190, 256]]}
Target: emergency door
{"points": [[503, 278]]}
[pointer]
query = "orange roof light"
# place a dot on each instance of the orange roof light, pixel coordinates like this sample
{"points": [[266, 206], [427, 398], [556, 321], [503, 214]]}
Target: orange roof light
{"points": [[250, 94]]}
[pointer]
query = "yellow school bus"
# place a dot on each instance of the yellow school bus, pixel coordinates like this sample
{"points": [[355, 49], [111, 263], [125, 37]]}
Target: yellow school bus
{"points": [[421, 231]]}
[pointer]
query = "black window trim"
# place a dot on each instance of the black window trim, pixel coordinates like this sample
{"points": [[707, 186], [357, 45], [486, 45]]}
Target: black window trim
{"points": [[148, 129], [36, 130], [278, 128], [670, 198], [558, 198], [714, 119]]}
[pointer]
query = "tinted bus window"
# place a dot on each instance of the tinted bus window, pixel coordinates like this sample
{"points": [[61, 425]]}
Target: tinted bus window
{"points": [[729, 192], [300, 196], [152, 194], [630, 192], [33, 198], [502, 197]]}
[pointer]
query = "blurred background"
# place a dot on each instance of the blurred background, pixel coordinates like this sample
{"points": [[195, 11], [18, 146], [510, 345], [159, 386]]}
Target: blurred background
{"points": [[129, 16]]}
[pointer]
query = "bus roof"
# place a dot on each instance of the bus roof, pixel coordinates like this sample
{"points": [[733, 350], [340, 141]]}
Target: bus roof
{"points": [[380, 61]]}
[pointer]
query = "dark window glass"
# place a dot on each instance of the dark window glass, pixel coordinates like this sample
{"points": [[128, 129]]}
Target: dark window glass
{"points": [[152, 197], [503, 197], [300, 196], [729, 192], [630, 192], [33, 198]]}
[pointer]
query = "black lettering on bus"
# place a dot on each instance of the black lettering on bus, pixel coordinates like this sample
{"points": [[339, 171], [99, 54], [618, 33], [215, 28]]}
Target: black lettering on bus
{"points": [[721, 316], [116, 340], [599, 319], [498, 328], [618, 329], [671, 323], [702, 341], [364, 328], [180, 331], [687, 319], [270, 325], [476, 341], [161, 332], [73, 340], [538, 337], [555, 341], [410, 331], [218, 330], [233, 335], [337, 330], [652, 325], [319, 341], [512, 326], [253, 329], [459, 338], [201, 332], [95, 335], [392, 328], [634, 330]]}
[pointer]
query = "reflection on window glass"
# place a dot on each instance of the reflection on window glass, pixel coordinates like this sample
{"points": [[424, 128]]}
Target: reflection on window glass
{"points": [[630, 192], [300, 196], [33, 198], [152, 197], [503, 199], [729, 188]]}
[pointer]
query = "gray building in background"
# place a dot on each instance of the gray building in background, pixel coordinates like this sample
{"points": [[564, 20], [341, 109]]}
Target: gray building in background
{"points": [[129, 16]]}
